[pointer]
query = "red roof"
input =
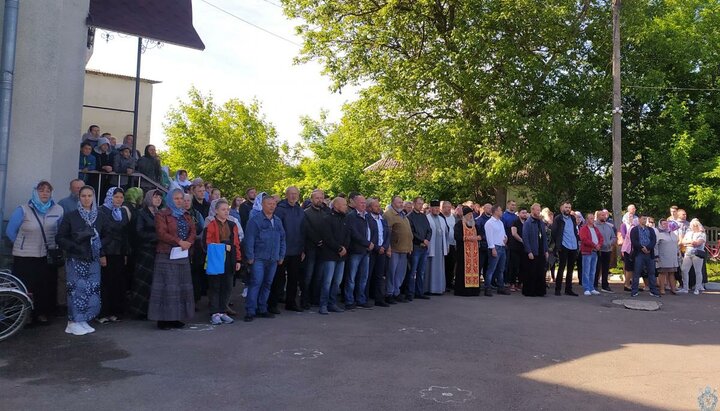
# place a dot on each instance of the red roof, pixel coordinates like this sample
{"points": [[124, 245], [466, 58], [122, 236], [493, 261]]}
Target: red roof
{"points": [[169, 21]]}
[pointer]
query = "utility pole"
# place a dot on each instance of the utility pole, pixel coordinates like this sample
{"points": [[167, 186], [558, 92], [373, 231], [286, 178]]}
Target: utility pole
{"points": [[616, 119]]}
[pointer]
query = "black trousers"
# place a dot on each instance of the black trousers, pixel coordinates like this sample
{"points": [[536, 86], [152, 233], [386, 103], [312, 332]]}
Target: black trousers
{"points": [[113, 286], [376, 285], [288, 278], [567, 260], [603, 269], [40, 279], [197, 270], [484, 261], [450, 267], [220, 286], [514, 266]]}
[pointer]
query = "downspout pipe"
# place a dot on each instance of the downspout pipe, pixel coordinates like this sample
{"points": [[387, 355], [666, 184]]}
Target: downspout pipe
{"points": [[7, 69]]}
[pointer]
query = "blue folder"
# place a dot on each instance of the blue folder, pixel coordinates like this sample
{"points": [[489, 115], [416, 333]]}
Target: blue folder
{"points": [[215, 259]]}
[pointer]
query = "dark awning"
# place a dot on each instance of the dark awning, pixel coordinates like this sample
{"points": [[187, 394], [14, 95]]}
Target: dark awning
{"points": [[169, 21]]}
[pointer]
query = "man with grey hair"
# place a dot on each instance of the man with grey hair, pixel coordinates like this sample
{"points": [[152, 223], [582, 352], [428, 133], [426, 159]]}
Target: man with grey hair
{"points": [[609, 237], [379, 255], [401, 244], [292, 216]]}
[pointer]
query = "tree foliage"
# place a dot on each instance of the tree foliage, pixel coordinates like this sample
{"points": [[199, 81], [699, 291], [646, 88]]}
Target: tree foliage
{"points": [[231, 144], [472, 96]]}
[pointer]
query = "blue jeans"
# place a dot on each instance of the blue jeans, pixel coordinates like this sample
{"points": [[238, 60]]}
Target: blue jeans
{"points": [[644, 262], [262, 273], [496, 268], [332, 276], [589, 266], [396, 273], [359, 266], [416, 282]]}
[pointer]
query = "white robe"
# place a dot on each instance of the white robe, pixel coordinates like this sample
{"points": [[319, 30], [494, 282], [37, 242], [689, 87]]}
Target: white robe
{"points": [[437, 250]]}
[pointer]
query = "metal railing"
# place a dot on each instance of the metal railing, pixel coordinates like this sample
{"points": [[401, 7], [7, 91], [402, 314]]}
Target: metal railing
{"points": [[135, 180]]}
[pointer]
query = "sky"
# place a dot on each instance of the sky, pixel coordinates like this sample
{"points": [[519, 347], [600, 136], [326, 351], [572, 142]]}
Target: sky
{"points": [[239, 61]]}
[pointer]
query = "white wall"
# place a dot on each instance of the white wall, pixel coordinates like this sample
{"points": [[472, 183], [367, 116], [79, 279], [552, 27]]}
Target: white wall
{"points": [[108, 91], [47, 97]]}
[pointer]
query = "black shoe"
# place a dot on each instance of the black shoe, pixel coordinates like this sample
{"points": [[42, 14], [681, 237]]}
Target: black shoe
{"points": [[408, 298], [503, 291], [164, 325], [627, 289], [178, 324], [381, 303], [571, 292], [350, 307], [558, 293], [390, 300], [488, 292], [306, 307], [422, 297], [296, 309], [266, 315], [366, 305], [273, 310], [400, 299], [248, 318]]}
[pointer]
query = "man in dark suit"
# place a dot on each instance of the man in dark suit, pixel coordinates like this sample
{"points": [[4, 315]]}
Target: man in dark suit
{"points": [[380, 235], [643, 241], [361, 245]]}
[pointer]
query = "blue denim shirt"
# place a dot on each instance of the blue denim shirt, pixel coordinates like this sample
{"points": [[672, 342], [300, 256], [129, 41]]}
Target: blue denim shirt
{"points": [[264, 239], [569, 240]]}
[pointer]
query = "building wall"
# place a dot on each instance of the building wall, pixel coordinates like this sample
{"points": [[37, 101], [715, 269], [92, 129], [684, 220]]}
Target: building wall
{"points": [[116, 92], [47, 97]]}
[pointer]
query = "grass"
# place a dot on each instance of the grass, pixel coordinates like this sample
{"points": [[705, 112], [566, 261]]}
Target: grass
{"points": [[713, 269]]}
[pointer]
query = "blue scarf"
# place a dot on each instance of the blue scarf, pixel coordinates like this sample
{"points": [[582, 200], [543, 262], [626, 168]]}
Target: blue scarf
{"points": [[116, 211], [176, 212], [38, 205]]}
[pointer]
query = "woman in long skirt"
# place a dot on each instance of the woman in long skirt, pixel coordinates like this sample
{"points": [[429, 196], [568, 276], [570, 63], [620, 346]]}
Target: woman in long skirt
{"points": [[81, 235], [145, 251], [171, 298]]}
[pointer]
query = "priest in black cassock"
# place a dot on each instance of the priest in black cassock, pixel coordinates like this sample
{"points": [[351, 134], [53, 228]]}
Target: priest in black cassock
{"points": [[535, 242]]}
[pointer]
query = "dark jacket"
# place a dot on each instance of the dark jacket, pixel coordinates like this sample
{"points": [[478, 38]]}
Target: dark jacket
{"points": [[480, 224], [335, 234], [531, 231], [118, 233], [313, 226], [359, 227], [420, 229], [558, 228], [245, 209], [74, 235], [150, 166], [102, 160], [145, 230], [292, 218], [202, 207], [635, 240]]}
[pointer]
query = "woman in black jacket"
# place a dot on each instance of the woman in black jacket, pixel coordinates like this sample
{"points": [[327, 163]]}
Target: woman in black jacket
{"points": [[144, 253], [116, 250], [81, 235]]}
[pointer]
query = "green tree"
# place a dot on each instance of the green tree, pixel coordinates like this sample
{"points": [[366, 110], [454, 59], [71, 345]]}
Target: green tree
{"points": [[231, 144]]}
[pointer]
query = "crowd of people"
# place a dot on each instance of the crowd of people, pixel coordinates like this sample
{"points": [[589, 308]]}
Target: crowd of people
{"points": [[148, 254]]}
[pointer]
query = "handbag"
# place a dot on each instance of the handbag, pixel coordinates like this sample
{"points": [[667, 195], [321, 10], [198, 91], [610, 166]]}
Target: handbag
{"points": [[55, 256], [700, 253]]}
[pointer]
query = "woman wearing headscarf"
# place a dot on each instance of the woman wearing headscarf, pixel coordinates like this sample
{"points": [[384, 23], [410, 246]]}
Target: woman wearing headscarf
{"points": [[694, 242], [81, 235], [146, 245], [117, 247], [181, 181], [171, 298], [149, 165], [197, 256], [133, 199], [32, 229], [257, 206]]}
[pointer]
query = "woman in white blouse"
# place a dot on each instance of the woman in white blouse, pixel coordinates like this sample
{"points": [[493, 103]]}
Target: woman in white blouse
{"points": [[694, 242]]}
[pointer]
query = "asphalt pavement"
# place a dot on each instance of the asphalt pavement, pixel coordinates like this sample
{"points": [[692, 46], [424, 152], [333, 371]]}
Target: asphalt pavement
{"points": [[474, 353]]}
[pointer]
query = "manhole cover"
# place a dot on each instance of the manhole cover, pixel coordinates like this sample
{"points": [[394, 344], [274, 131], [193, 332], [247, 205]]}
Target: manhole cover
{"points": [[640, 305], [446, 395]]}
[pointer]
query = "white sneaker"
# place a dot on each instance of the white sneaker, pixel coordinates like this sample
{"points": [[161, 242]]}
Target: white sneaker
{"points": [[682, 291], [696, 292], [226, 318], [75, 328], [87, 327], [587, 293], [595, 292], [244, 293], [215, 319]]}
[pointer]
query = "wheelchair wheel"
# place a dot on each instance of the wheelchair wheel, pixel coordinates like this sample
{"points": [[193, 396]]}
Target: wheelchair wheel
{"points": [[15, 308], [7, 280]]}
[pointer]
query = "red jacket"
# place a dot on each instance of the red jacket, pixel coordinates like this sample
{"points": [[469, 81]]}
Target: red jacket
{"points": [[212, 236], [166, 230], [586, 243]]}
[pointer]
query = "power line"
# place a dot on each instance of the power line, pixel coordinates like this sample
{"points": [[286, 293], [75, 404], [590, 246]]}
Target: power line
{"points": [[273, 3], [252, 24], [674, 88]]}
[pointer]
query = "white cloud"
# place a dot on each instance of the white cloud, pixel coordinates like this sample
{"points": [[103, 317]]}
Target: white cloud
{"points": [[239, 61]]}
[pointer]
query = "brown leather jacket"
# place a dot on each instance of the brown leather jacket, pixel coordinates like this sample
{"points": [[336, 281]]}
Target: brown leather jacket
{"points": [[166, 229]]}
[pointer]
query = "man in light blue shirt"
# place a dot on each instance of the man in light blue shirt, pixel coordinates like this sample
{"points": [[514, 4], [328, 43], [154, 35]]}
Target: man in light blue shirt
{"points": [[565, 235]]}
